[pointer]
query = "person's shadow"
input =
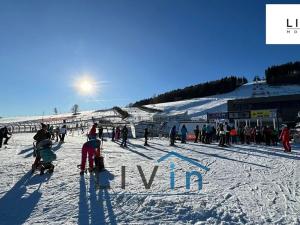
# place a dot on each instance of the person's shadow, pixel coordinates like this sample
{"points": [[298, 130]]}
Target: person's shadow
{"points": [[17, 205], [91, 206]]}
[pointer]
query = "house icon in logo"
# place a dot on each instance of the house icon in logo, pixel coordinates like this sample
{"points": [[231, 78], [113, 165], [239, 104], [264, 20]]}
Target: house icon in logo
{"points": [[188, 174]]}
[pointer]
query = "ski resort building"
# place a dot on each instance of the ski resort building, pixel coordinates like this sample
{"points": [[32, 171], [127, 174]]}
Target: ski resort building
{"points": [[273, 110]]}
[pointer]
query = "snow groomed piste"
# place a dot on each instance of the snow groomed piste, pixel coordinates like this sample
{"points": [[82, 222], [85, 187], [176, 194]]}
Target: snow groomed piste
{"points": [[246, 184]]}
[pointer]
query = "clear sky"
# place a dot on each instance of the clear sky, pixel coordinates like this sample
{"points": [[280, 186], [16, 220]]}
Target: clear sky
{"points": [[132, 48]]}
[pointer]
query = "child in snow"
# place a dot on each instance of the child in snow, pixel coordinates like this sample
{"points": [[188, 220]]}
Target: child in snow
{"points": [[89, 149]]}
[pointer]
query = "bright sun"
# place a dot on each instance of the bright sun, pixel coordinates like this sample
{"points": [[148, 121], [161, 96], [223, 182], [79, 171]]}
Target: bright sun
{"points": [[86, 85]]}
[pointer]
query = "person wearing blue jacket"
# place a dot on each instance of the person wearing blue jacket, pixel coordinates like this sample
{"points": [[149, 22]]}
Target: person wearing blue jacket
{"points": [[183, 134]]}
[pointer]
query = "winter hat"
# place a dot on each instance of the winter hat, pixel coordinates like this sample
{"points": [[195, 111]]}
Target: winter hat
{"points": [[43, 125]]}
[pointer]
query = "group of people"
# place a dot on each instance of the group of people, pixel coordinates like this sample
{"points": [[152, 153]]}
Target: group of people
{"points": [[225, 135], [116, 134], [57, 133]]}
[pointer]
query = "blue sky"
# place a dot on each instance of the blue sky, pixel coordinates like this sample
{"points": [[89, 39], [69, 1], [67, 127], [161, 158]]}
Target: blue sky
{"points": [[133, 48]]}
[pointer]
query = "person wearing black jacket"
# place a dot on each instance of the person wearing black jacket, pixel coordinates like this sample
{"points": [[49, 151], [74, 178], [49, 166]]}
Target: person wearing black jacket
{"points": [[146, 134], [100, 132], [124, 133], [196, 132], [4, 134], [113, 134]]}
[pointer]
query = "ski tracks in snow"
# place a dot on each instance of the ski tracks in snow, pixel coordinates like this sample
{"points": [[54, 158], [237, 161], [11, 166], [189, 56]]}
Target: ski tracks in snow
{"points": [[245, 185]]}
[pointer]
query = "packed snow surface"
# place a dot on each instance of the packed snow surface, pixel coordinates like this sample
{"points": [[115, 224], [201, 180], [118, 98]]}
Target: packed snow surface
{"points": [[245, 185]]}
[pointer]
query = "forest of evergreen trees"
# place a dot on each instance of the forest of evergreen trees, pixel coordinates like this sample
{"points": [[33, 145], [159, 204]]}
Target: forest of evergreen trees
{"points": [[288, 73], [221, 86]]}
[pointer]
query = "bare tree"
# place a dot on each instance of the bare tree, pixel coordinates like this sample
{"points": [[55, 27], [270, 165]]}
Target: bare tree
{"points": [[75, 109]]}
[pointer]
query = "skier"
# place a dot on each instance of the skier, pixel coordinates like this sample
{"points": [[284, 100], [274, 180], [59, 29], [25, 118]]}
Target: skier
{"points": [[257, 135], [56, 133], [89, 149], [41, 135], [241, 133], [227, 129], [172, 135], [62, 133], [203, 134], [196, 132], [208, 134], [268, 134], [285, 138], [247, 134], [124, 136], [274, 137], [118, 133], [100, 132], [113, 134], [4, 134], [92, 134], [51, 131], [183, 134], [146, 134], [222, 135], [233, 135]]}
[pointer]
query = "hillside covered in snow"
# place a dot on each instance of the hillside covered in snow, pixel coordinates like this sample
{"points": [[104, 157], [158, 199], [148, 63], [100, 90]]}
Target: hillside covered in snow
{"points": [[199, 107]]}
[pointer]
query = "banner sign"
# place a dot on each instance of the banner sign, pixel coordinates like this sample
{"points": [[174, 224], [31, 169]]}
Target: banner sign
{"points": [[217, 116], [258, 114], [239, 115]]}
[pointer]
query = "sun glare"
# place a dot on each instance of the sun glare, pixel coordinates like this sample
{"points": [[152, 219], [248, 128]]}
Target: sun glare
{"points": [[86, 85]]}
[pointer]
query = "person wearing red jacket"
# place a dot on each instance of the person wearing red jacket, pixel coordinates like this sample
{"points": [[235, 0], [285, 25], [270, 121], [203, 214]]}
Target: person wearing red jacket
{"points": [[93, 132], [285, 138], [91, 149]]}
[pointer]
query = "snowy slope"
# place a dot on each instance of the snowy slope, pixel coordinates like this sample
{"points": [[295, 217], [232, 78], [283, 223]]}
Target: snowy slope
{"points": [[245, 185], [199, 107]]}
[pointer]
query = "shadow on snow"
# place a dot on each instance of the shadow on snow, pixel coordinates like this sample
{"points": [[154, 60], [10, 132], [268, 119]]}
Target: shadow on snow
{"points": [[91, 201], [17, 204]]}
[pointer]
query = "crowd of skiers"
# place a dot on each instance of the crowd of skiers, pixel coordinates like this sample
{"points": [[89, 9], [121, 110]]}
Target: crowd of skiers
{"points": [[225, 135], [57, 133]]}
